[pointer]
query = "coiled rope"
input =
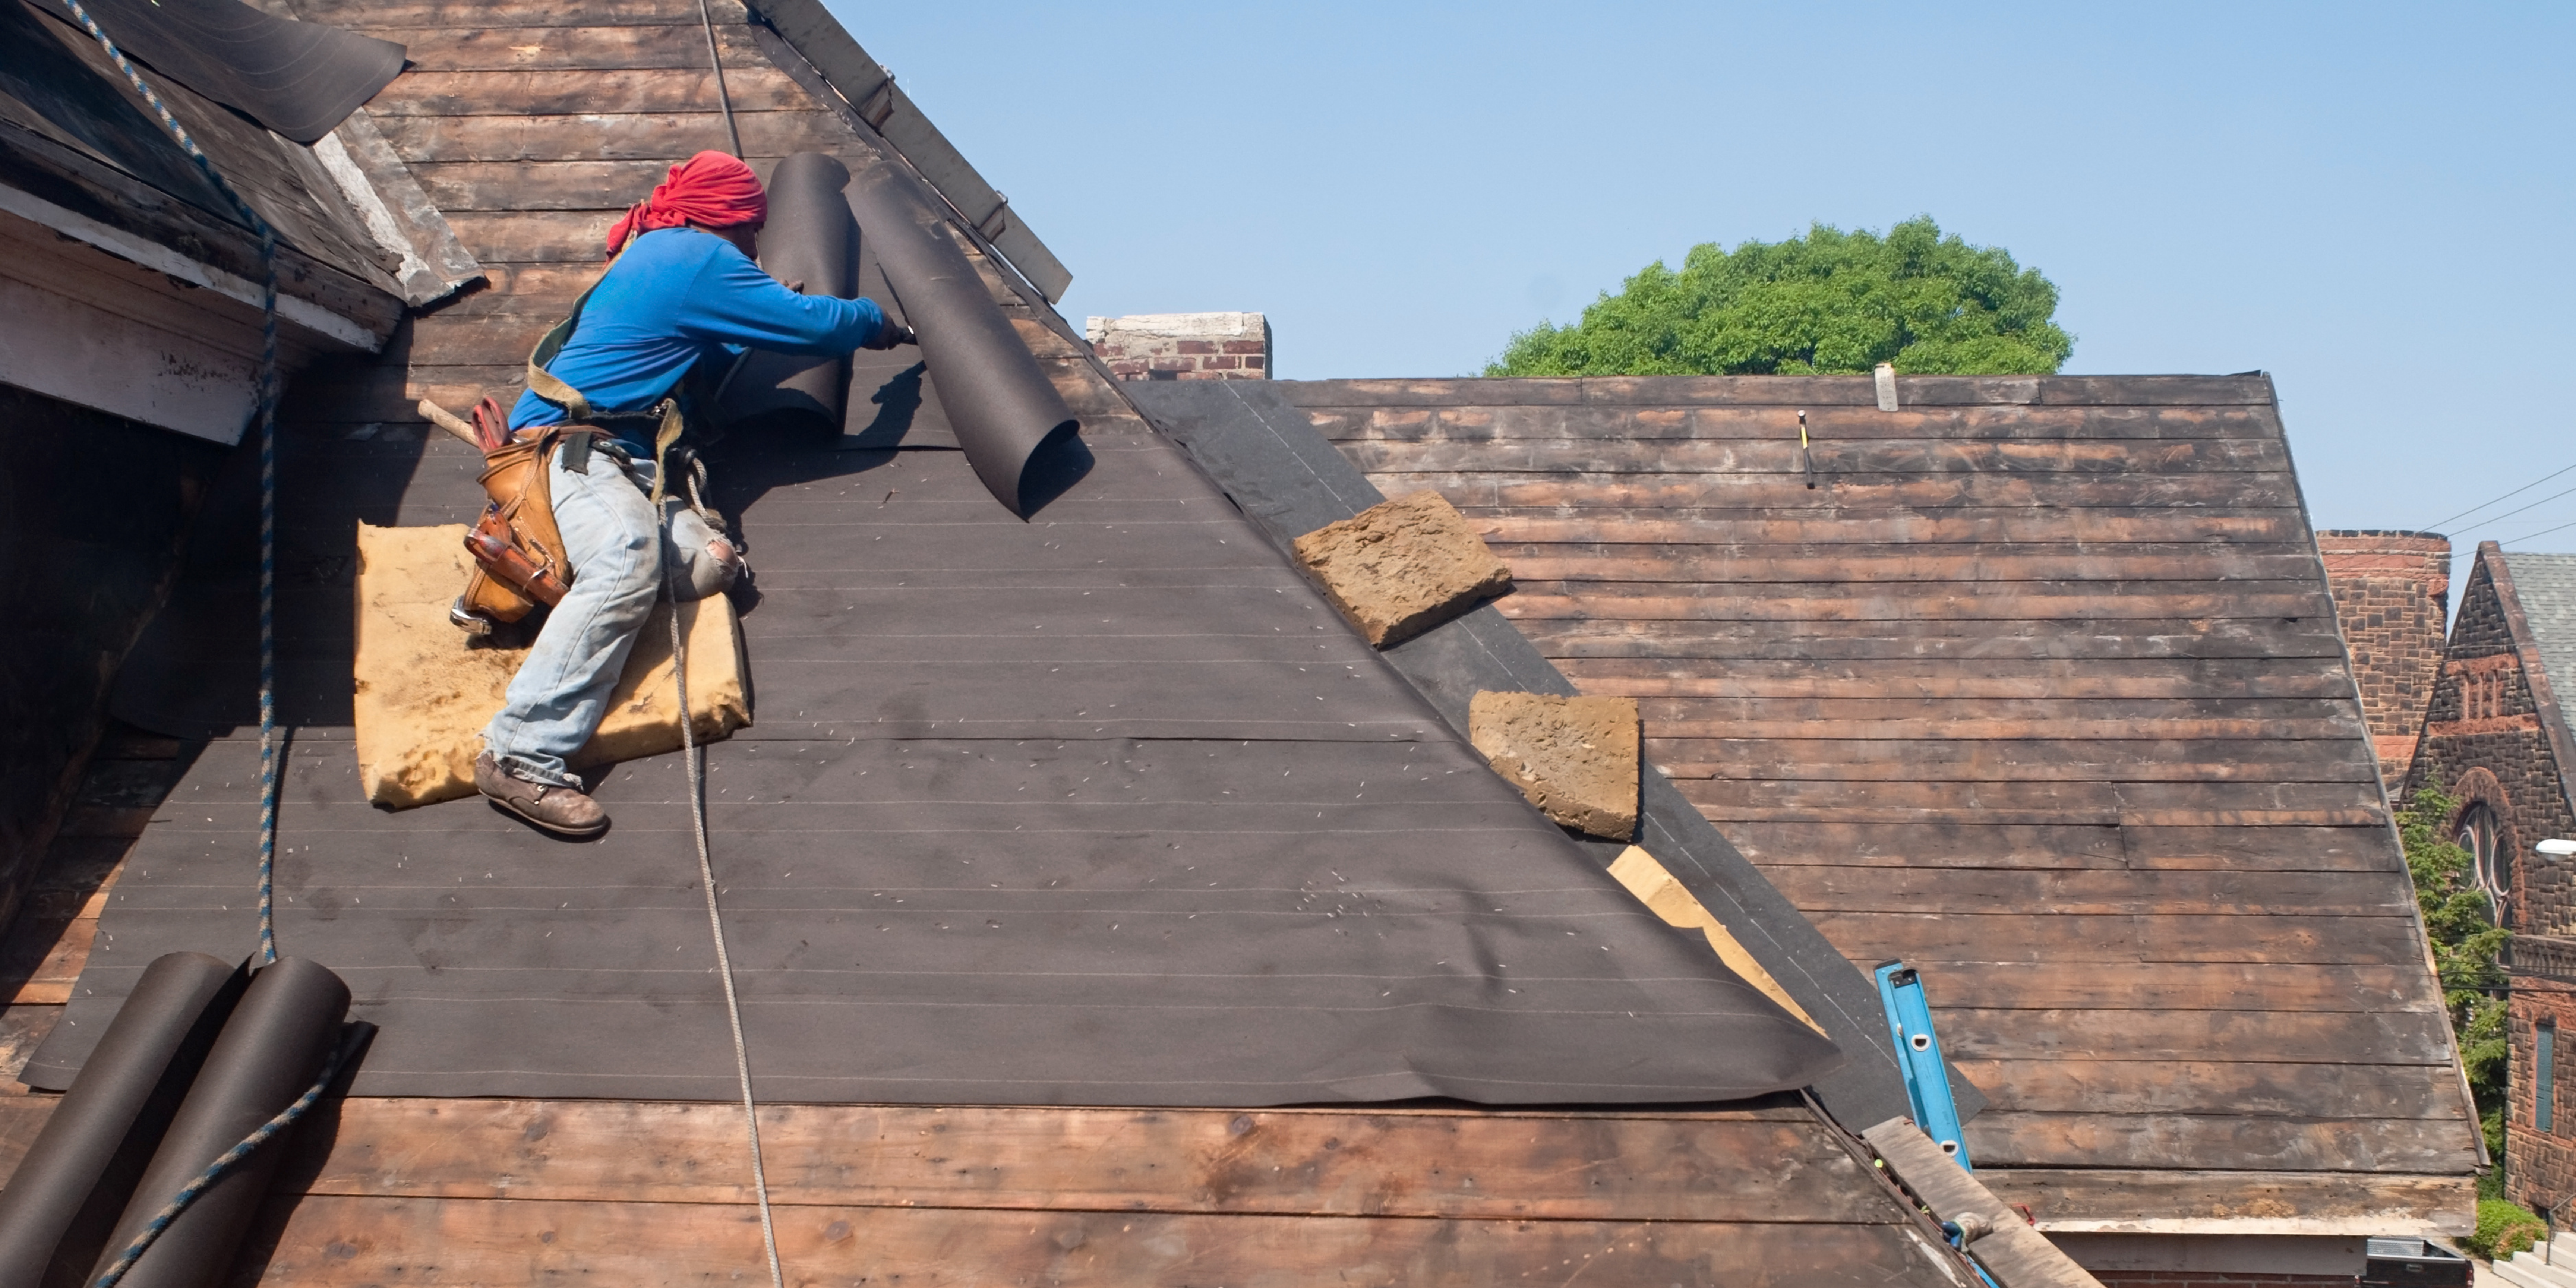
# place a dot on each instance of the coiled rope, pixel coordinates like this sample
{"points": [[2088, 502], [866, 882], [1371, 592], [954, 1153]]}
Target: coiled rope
{"points": [[266, 401]]}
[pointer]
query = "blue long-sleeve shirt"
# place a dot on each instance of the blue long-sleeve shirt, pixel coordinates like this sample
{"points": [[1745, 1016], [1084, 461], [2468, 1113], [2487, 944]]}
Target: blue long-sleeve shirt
{"points": [[674, 295]]}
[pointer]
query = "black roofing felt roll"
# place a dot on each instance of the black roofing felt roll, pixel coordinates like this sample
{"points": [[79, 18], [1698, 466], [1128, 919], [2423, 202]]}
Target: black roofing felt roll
{"points": [[1006, 413], [811, 239], [300, 79], [79, 1174], [272, 1048]]}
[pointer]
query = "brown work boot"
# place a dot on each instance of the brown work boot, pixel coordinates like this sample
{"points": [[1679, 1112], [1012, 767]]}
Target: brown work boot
{"points": [[564, 811]]}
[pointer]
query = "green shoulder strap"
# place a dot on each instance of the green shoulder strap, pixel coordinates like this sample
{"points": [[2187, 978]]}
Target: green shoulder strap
{"points": [[542, 382]]}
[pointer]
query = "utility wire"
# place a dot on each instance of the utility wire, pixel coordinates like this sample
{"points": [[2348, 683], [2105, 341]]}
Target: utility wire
{"points": [[2506, 497], [2542, 533], [2518, 509]]}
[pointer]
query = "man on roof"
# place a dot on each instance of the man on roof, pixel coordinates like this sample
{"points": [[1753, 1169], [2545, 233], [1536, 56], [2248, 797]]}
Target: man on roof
{"points": [[682, 287]]}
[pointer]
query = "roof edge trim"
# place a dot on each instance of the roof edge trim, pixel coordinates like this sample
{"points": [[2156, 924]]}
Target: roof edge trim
{"points": [[818, 37], [401, 217], [153, 255]]}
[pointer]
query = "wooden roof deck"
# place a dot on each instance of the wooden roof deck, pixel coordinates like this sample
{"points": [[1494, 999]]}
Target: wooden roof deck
{"points": [[2039, 688], [531, 124]]}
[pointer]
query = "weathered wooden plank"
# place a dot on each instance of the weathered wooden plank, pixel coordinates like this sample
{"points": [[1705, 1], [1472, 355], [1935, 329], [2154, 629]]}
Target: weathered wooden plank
{"points": [[2090, 891], [569, 48], [1740, 814], [467, 187], [1783, 455], [2075, 940], [1947, 718], [1681, 421], [2418, 1037], [1827, 565], [2039, 760], [21, 1028], [331, 1242], [644, 136], [2264, 1089], [1773, 1165], [1974, 526], [1683, 641], [1790, 391], [48, 944], [1973, 844], [754, 87], [1778, 678], [389, 17], [2236, 1201], [2221, 1139], [2010, 1250], [1952, 601]]}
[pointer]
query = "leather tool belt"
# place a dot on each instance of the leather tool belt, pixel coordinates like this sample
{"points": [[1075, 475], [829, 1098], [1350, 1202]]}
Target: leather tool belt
{"points": [[518, 552]]}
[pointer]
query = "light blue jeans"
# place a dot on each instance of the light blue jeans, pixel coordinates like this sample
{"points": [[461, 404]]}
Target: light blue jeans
{"points": [[555, 702]]}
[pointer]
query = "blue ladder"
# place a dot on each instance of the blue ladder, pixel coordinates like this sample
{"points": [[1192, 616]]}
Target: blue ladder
{"points": [[1918, 1053]]}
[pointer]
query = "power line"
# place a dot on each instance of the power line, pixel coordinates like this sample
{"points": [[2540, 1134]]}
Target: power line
{"points": [[2542, 533], [2506, 497], [2519, 509]]}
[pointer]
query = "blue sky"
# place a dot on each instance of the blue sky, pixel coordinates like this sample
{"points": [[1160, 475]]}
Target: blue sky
{"points": [[2371, 202]]}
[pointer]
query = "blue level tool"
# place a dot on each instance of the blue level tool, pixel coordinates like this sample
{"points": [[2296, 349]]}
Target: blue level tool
{"points": [[1918, 1053]]}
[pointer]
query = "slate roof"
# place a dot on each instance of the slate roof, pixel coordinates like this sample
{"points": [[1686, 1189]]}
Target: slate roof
{"points": [[2545, 586], [2037, 687]]}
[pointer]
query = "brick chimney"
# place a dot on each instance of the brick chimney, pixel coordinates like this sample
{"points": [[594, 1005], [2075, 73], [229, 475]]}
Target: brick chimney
{"points": [[1183, 346], [2392, 592]]}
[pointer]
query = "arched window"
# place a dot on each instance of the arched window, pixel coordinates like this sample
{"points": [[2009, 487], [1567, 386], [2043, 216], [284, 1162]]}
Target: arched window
{"points": [[2491, 860]]}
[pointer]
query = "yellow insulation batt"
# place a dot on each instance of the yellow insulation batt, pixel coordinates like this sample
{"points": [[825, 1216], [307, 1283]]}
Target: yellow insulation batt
{"points": [[423, 695]]}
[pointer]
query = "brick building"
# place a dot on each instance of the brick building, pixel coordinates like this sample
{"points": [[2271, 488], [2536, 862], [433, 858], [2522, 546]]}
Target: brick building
{"points": [[2392, 593], [2496, 740], [1183, 346]]}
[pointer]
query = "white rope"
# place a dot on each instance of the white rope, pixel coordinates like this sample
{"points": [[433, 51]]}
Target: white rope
{"points": [[715, 920]]}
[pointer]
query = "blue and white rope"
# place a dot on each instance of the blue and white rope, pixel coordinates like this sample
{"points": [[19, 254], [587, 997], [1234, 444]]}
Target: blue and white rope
{"points": [[230, 1159], [266, 396], [267, 415]]}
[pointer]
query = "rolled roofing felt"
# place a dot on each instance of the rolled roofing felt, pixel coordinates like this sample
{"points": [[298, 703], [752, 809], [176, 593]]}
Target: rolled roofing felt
{"points": [[300, 79], [272, 1048], [1002, 406], [78, 1176], [810, 238]]}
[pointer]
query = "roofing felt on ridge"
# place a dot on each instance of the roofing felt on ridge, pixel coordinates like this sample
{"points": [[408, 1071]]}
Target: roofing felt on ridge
{"points": [[2038, 688]]}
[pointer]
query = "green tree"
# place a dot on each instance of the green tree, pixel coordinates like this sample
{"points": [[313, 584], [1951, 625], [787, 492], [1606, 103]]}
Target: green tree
{"points": [[1829, 301], [2466, 942]]}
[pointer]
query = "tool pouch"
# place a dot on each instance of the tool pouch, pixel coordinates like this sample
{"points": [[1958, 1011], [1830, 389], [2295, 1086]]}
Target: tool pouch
{"points": [[518, 554]]}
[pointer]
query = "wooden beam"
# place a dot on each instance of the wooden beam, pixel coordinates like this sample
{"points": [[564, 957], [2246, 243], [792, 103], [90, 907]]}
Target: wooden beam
{"points": [[2163, 1201], [2010, 1250]]}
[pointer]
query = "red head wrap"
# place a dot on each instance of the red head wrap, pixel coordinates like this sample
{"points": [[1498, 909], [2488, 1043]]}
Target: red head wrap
{"points": [[711, 189]]}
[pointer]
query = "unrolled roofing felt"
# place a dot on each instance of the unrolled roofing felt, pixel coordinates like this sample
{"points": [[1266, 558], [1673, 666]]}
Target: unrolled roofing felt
{"points": [[297, 78], [1104, 808], [1009, 419]]}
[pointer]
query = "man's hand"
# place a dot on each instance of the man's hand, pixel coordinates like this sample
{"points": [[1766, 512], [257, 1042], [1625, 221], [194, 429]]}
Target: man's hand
{"points": [[894, 333]]}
